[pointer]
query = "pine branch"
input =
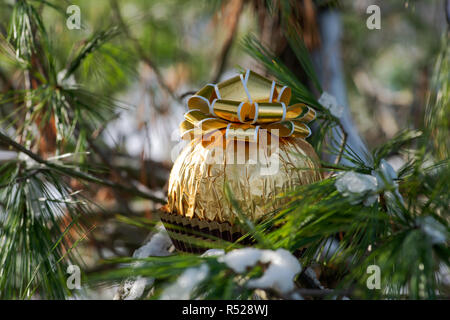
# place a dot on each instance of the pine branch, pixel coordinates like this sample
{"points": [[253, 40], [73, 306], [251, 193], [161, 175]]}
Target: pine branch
{"points": [[95, 42], [138, 191]]}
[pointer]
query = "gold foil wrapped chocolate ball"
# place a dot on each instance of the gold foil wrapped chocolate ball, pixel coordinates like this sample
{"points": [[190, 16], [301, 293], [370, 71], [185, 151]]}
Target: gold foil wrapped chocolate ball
{"points": [[243, 135]]}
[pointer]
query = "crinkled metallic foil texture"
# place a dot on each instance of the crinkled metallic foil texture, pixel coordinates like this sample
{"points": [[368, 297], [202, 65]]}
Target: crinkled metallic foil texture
{"points": [[198, 177]]}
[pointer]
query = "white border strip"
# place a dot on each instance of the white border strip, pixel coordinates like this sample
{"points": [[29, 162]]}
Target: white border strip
{"points": [[244, 84], [200, 123], [189, 111], [227, 130], [281, 93], [211, 108], [284, 112], [255, 136], [272, 91], [239, 111], [247, 75], [186, 132], [216, 89], [197, 96], [314, 111], [256, 113], [310, 132], [292, 130]]}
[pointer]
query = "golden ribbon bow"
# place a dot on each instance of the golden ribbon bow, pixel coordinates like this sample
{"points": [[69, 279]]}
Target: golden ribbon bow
{"points": [[243, 105]]}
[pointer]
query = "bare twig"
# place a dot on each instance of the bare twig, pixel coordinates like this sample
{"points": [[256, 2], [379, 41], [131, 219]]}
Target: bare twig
{"points": [[105, 156], [106, 160], [21, 178]]}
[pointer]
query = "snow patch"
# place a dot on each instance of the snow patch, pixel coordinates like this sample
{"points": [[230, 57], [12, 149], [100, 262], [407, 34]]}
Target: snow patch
{"points": [[435, 231], [158, 246], [279, 275], [69, 82], [186, 283], [241, 259], [357, 187], [213, 253], [330, 103], [313, 276]]}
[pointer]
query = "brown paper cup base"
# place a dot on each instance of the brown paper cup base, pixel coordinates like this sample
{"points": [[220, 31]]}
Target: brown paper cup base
{"points": [[196, 236]]}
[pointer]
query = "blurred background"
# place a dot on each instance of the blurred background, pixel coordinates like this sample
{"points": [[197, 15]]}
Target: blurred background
{"points": [[166, 50]]}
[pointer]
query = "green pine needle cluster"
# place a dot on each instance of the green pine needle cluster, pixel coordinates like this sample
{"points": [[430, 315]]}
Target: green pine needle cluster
{"points": [[39, 211]]}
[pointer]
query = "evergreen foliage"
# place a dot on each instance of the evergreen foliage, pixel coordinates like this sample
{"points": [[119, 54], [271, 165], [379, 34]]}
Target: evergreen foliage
{"points": [[405, 231]]}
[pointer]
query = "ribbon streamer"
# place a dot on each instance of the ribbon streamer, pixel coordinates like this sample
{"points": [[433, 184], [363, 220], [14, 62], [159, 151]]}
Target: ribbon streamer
{"points": [[243, 105]]}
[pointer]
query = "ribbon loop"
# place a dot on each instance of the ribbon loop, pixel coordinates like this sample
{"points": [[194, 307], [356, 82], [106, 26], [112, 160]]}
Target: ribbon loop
{"points": [[243, 104], [270, 112], [234, 111]]}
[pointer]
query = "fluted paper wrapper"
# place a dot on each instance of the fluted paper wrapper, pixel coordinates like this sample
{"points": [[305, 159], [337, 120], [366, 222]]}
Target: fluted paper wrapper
{"points": [[196, 236], [198, 177]]}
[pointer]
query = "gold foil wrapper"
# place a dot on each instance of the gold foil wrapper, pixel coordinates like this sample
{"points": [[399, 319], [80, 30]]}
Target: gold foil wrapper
{"points": [[256, 172]]}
